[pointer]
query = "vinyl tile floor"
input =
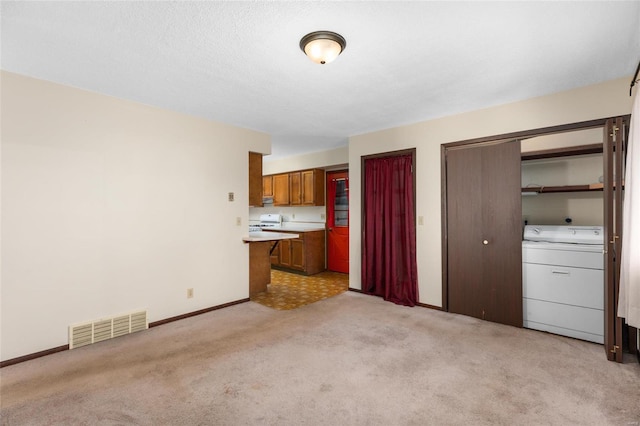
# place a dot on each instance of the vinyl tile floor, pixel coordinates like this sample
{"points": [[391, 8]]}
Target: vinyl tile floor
{"points": [[290, 291]]}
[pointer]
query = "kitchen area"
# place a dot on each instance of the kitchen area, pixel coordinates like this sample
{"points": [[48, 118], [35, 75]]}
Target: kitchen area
{"points": [[286, 228]]}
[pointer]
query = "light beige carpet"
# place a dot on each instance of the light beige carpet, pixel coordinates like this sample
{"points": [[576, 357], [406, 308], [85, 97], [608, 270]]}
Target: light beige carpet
{"points": [[348, 360]]}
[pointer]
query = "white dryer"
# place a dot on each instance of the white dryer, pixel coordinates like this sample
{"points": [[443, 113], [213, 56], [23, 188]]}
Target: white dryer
{"points": [[563, 280]]}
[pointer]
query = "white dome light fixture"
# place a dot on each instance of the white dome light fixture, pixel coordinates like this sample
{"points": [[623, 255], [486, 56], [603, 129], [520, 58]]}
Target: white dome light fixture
{"points": [[323, 47]]}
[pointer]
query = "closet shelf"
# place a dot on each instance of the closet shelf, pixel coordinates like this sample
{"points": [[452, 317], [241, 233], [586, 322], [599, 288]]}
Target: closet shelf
{"points": [[564, 188]]}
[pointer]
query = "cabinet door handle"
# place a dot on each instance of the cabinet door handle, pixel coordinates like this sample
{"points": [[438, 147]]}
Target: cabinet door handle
{"points": [[560, 272], [330, 229]]}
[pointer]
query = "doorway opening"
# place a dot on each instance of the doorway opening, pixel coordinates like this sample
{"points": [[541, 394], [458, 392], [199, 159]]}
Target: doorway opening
{"points": [[389, 266]]}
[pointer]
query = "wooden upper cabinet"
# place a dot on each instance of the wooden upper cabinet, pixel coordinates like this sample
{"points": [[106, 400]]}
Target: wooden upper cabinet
{"points": [[295, 188], [312, 187], [267, 186], [255, 179], [307, 187], [281, 190], [302, 188]]}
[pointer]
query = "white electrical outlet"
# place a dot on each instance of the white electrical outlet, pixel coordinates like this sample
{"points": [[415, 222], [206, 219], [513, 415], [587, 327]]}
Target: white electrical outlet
{"points": [[231, 196], [239, 221], [323, 216], [189, 293], [293, 216], [420, 220]]}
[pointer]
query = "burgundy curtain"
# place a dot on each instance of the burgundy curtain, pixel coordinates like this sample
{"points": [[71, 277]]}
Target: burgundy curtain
{"points": [[389, 266]]}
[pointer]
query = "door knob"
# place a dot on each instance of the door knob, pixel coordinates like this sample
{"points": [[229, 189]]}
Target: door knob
{"points": [[330, 229], [485, 242]]}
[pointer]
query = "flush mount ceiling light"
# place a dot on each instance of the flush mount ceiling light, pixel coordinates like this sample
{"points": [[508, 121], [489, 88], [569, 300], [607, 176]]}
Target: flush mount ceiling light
{"points": [[322, 47]]}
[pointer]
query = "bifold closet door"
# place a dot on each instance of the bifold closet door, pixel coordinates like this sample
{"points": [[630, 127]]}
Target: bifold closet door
{"points": [[484, 231], [614, 140]]}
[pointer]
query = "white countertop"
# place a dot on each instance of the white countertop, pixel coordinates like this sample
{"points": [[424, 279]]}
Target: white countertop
{"points": [[267, 236], [297, 227]]}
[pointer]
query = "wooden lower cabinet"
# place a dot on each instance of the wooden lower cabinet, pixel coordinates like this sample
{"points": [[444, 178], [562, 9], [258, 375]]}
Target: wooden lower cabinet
{"points": [[298, 251], [305, 254], [284, 254]]}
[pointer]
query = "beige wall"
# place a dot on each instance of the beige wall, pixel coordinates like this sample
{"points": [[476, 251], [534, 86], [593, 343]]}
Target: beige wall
{"points": [[588, 103], [110, 206], [566, 139], [324, 159]]}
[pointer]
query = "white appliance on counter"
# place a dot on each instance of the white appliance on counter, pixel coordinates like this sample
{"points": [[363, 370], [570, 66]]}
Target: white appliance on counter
{"points": [[563, 280], [269, 220]]}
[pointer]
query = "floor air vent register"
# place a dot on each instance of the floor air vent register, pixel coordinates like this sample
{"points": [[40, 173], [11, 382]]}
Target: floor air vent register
{"points": [[106, 328]]}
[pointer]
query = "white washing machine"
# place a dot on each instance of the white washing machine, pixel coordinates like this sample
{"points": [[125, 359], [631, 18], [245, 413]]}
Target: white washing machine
{"points": [[563, 280]]}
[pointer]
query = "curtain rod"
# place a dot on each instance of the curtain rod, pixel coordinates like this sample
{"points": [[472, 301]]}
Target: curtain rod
{"points": [[635, 79]]}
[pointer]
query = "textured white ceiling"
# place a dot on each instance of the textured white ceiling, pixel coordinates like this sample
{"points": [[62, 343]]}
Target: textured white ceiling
{"points": [[240, 63]]}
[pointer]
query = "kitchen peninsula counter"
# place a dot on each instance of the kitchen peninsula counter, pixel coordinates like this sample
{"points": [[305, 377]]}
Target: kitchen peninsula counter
{"points": [[261, 236], [296, 227], [259, 258]]}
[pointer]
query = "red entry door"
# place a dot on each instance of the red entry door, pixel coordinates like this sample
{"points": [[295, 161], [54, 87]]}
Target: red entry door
{"points": [[338, 221]]}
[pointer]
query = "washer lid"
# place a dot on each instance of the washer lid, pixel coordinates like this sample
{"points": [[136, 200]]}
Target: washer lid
{"points": [[565, 234], [546, 245]]}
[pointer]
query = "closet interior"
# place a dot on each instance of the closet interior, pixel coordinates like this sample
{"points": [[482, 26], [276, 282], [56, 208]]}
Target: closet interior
{"points": [[563, 234]]}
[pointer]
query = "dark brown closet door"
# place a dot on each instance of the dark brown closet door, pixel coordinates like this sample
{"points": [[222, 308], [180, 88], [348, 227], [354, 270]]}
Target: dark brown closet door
{"points": [[615, 131], [484, 228]]}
